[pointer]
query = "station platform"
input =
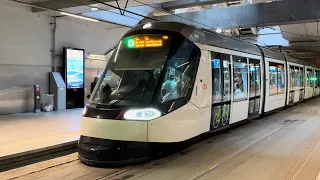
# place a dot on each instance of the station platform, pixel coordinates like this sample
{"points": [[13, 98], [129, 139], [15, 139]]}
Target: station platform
{"points": [[27, 133], [281, 146]]}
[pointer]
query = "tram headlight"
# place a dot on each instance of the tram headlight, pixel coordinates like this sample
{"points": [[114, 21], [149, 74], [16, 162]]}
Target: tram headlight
{"points": [[142, 114]]}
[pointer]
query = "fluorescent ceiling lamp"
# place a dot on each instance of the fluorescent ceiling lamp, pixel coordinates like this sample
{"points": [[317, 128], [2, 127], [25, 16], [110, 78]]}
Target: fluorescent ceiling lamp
{"points": [[94, 7], [96, 57], [148, 25], [219, 30], [80, 17]]}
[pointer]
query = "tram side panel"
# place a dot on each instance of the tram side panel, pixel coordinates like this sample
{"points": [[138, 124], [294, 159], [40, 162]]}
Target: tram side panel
{"points": [[191, 119]]}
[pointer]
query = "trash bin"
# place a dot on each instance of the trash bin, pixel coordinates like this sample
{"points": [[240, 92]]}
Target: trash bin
{"points": [[47, 102]]}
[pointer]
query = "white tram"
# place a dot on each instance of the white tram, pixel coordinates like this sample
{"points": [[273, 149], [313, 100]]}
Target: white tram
{"points": [[168, 83]]}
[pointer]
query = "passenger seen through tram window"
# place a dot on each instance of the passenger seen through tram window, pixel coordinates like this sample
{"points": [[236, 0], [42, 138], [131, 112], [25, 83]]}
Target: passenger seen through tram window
{"points": [[170, 88], [240, 71]]}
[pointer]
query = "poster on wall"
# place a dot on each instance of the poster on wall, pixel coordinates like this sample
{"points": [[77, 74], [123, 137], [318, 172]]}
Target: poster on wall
{"points": [[75, 68]]}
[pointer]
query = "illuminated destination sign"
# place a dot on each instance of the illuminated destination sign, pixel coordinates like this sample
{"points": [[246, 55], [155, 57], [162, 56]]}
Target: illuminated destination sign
{"points": [[145, 41]]}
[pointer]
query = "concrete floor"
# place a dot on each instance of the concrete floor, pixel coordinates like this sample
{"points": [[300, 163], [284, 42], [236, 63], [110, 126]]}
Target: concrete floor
{"points": [[284, 145], [28, 131]]}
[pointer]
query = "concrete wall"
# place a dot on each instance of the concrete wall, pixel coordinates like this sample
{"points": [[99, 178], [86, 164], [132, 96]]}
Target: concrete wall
{"points": [[25, 58]]}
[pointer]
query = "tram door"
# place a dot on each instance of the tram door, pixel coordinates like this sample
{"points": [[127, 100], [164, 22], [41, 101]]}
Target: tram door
{"points": [[240, 89], [221, 90], [254, 87]]}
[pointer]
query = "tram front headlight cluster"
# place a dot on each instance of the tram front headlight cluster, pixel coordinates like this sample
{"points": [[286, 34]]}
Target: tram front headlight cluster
{"points": [[142, 114]]}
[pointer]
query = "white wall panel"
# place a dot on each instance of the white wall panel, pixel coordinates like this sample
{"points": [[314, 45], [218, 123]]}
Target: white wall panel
{"points": [[25, 57], [25, 37]]}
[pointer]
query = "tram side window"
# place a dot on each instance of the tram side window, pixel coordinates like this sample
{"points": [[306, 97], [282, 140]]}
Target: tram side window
{"points": [[277, 78], [240, 74]]}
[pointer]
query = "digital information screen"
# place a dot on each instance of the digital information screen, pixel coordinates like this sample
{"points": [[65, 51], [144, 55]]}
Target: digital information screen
{"points": [[145, 41], [75, 68]]}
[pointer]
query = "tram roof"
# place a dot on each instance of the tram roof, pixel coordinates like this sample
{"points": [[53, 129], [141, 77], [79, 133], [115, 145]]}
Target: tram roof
{"points": [[273, 54], [295, 60], [197, 35], [203, 36]]}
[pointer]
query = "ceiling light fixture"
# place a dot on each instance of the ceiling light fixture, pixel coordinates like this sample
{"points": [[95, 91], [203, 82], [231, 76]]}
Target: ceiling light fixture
{"points": [[79, 17], [218, 30], [148, 25], [94, 7], [96, 57]]}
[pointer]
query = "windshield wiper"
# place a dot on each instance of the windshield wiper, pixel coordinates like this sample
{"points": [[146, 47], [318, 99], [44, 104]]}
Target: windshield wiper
{"points": [[140, 86]]}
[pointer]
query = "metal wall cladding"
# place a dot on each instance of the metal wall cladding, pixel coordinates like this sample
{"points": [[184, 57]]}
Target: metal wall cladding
{"points": [[16, 86]]}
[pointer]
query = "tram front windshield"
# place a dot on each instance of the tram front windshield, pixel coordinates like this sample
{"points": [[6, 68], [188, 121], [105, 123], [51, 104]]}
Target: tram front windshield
{"points": [[139, 65]]}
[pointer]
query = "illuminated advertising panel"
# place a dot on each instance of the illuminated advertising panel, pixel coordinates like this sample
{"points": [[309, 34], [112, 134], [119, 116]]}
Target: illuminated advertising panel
{"points": [[74, 68]]}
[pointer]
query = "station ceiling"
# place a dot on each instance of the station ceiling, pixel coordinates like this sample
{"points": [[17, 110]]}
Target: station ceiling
{"points": [[301, 33]]}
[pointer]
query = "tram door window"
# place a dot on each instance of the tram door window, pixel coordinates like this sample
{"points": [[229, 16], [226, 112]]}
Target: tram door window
{"points": [[225, 113], [309, 78], [292, 84], [254, 84], [240, 75], [221, 88], [301, 75], [317, 79], [298, 77], [277, 78], [316, 82]]}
